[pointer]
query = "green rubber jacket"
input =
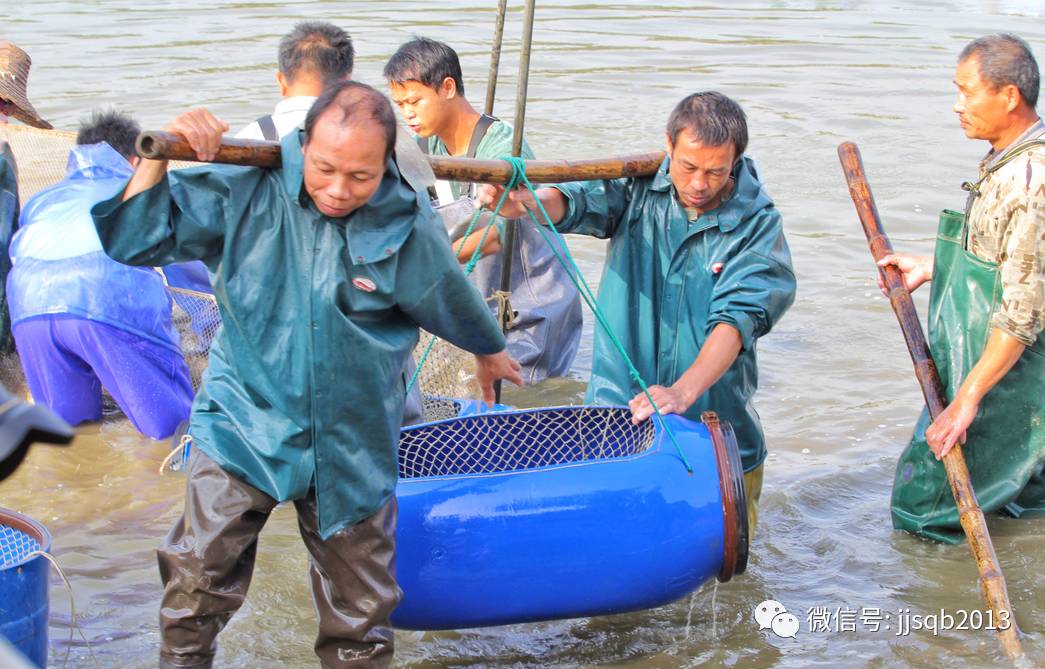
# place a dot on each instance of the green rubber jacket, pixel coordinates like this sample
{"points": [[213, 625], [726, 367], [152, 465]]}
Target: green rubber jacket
{"points": [[669, 281], [305, 388]]}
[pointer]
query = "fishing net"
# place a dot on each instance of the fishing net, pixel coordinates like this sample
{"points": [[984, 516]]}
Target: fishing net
{"points": [[16, 545], [196, 318], [501, 442]]}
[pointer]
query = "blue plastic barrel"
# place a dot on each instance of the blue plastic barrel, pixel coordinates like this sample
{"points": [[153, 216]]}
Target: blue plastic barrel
{"points": [[24, 599], [565, 512]]}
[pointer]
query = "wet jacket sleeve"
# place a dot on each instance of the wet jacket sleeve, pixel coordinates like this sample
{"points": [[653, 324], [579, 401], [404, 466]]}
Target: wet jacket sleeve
{"points": [[594, 208], [183, 217], [1022, 309], [433, 291], [757, 284]]}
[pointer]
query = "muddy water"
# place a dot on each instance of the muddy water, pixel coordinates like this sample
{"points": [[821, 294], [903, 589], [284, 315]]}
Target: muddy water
{"points": [[837, 396]]}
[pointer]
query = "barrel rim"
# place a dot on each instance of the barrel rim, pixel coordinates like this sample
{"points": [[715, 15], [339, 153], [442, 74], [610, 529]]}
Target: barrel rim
{"points": [[735, 531], [30, 526]]}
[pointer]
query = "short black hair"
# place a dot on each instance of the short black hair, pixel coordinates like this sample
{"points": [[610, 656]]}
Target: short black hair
{"points": [[425, 60], [1006, 59], [713, 117], [319, 48], [116, 129], [352, 99]]}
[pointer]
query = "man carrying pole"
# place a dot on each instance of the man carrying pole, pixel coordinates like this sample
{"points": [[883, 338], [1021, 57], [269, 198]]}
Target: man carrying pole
{"points": [[987, 307], [323, 270], [697, 270]]}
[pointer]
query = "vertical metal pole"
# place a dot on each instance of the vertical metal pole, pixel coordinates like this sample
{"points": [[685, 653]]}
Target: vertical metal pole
{"points": [[508, 245], [495, 57]]}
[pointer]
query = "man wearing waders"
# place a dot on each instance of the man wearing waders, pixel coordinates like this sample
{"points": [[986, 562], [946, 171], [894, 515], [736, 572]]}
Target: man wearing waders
{"points": [[987, 307], [323, 270], [425, 80]]}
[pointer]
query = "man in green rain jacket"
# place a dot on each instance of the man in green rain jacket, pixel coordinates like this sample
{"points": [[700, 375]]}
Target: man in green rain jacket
{"points": [[987, 307], [697, 270], [323, 271]]}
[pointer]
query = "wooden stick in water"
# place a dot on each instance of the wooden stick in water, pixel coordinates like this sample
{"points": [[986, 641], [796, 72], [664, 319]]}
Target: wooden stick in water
{"points": [[992, 582], [157, 145]]}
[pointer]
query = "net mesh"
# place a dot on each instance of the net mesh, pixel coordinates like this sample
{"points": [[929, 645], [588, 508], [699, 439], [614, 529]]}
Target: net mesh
{"points": [[42, 155], [502, 442], [15, 546]]}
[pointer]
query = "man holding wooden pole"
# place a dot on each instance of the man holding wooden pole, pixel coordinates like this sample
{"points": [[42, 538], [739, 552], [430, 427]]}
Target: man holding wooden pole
{"points": [[987, 307], [323, 270], [698, 269]]}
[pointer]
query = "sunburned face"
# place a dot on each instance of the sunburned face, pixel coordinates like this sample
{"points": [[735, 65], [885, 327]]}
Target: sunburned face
{"points": [[343, 164], [982, 110], [700, 173], [422, 106]]}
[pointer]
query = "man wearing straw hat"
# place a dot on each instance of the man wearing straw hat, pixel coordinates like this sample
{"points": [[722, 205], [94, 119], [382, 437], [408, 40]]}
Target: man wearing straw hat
{"points": [[303, 396], [14, 78]]}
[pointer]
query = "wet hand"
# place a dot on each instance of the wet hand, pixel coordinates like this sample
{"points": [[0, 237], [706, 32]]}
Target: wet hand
{"points": [[668, 399], [518, 202], [915, 270], [489, 368], [202, 130], [950, 426]]}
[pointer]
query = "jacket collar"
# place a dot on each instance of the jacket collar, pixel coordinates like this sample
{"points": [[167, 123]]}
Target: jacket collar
{"points": [[376, 230]]}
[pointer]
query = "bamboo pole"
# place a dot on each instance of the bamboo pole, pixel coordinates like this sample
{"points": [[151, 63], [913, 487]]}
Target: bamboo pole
{"points": [[992, 582], [508, 243], [158, 145], [495, 57]]}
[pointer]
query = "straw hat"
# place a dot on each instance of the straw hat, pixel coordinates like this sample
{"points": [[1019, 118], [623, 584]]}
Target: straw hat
{"points": [[14, 76]]}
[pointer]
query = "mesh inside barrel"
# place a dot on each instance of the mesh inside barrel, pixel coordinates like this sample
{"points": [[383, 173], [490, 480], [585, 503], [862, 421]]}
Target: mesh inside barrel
{"points": [[500, 442], [15, 546]]}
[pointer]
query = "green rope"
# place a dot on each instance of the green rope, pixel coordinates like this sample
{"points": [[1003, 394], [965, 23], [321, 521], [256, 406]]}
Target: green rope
{"points": [[519, 177], [476, 256]]}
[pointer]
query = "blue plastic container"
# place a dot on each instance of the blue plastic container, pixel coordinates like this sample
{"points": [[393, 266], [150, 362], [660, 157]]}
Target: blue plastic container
{"points": [[559, 513], [24, 599]]}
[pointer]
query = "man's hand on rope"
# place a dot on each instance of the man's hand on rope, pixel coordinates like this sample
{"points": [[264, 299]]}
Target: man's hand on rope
{"points": [[518, 202], [521, 200], [489, 368]]}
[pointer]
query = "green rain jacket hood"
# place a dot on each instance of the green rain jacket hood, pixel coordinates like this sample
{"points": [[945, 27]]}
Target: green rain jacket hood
{"points": [[305, 388], [669, 281]]}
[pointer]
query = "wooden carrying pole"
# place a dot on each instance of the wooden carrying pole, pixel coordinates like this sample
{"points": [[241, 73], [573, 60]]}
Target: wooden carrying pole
{"points": [[992, 582], [157, 145]]}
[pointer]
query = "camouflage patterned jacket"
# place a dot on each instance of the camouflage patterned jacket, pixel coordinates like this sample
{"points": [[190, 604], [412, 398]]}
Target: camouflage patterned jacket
{"points": [[1007, 227]]}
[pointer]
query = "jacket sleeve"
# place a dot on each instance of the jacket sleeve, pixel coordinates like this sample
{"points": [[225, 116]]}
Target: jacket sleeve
{"points": [[757, 284], [594, 208], [183, 217], [433, 291]]}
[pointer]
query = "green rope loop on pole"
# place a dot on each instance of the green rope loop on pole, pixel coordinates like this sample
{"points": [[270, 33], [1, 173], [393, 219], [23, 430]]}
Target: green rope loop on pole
{"points": [[476, 256], [574, 271]]}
